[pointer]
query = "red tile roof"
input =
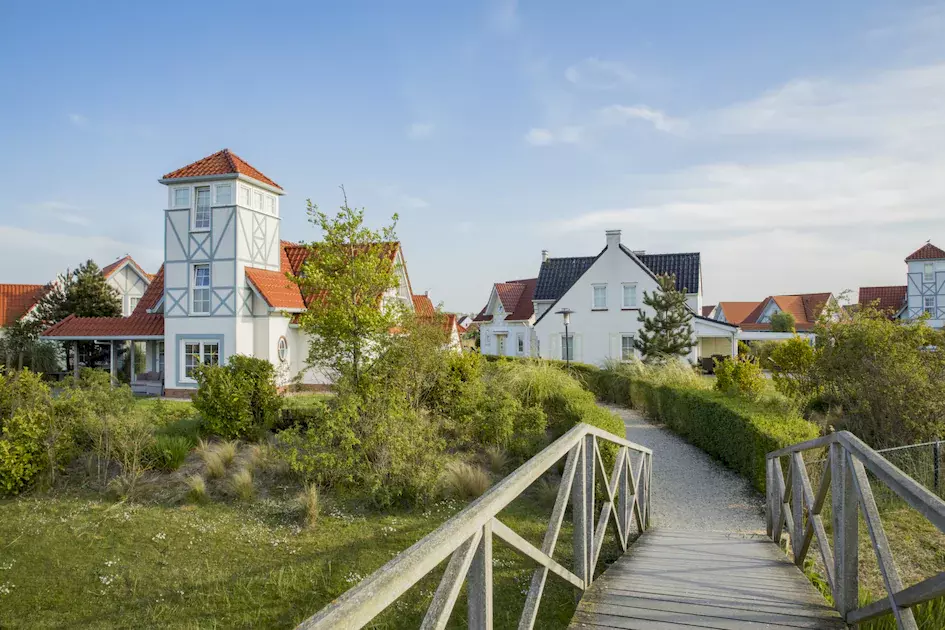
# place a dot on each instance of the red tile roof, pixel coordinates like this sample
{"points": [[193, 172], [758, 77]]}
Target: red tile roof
{"points": [[926, 252], [152, 295], [805, 307], [108, 270], [888, 299], [276, 288], [516, 297], [17, 299], [223, 162], [117, 327], [737, 312], [707, 310], [423, 305]]}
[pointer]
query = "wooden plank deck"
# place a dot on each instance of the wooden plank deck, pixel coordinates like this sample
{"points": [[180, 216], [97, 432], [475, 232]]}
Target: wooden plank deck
{"points": [[674, 579]]}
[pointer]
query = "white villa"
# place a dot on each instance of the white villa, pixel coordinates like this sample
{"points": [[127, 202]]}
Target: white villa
{"points": [[605, 296], [222, 289], [923, 293]]}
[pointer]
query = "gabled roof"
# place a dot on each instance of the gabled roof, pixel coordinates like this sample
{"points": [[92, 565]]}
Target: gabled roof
{"points": [[926, 252], [684, 266], [558, 274], [423, 305], [134, 325], [223, 162], [516, 297], [152, 295], [17, 299], [737, 312], [805, 307], [108, 270], [890, 299]]}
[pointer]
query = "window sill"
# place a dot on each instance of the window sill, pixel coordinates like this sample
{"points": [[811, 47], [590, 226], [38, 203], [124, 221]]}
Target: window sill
{"points": [[207, 314], [193, 229], [597, 310], [630, 308]]}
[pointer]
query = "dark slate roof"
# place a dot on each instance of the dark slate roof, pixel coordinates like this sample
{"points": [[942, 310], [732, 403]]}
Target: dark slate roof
{"points": [[558, 274], [684, 266]]}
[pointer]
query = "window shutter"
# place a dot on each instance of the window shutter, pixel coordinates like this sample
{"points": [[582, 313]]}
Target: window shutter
{"points": [[578, 349]]}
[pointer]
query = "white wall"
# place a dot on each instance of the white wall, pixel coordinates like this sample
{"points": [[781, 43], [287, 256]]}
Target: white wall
{"points": [[129, 284], [918, 289]]}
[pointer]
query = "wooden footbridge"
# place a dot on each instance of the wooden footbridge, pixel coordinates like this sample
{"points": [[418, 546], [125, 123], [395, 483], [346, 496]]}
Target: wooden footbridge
{"points": [[665, 578]]}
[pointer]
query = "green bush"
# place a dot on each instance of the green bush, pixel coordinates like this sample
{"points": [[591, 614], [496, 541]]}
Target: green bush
{"points": [[762, 351], [739, 377], [168, 452], [238, 400], [793, 368], [21, 449]]}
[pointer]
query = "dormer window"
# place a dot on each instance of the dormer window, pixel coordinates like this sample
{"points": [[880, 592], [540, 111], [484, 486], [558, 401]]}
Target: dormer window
{"points": [[202, 208], [181, 197]]}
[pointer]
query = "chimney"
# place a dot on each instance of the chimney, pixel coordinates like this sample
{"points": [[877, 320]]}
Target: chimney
{"points": [[427, 293], [613, 238], [544, 255]]}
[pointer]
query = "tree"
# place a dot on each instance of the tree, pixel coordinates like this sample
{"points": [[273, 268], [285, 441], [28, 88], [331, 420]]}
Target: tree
{"points": [[84, 292], [668, 332], [346, 277], [782, 321]]}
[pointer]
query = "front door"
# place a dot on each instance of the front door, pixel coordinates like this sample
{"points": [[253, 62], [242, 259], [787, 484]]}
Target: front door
{"points": [[500, 345]]}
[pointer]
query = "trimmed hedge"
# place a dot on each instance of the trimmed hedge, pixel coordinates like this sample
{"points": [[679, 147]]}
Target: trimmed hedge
{"points": [[738, 432]]}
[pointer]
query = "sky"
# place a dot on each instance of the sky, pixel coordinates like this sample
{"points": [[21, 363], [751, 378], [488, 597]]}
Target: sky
{"points": [[799, 146]]}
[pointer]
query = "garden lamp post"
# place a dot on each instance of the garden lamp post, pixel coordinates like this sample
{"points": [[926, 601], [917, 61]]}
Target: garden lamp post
{"points": [[565, 314]]}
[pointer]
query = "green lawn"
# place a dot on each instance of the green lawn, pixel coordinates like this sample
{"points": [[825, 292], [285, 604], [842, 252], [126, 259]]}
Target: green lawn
{"points": [[75, 560]]}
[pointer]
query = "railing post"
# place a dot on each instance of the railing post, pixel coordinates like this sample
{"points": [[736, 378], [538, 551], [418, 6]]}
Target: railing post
{"points": [[936, 466], [797, 507], [623, 487], [845, 531], [579, 516], [479, 587], [589, 514], [648, 475], [769, 497]]}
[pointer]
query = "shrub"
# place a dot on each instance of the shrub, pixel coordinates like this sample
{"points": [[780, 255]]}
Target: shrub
{"points": [[133, 439], [214, 464], [782, 322], [168, 452], [241, 484], [308, 500], [238, 400], [466, 481], [197, 489], [497, 459], [739, 377], [793, 368], [227, 451], [762, 351], [21, 451]]}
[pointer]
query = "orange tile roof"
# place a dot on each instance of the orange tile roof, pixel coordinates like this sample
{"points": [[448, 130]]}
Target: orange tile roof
{"points": [[223, 162], [737, 312], [516, 297], [275, 287], [152, 295], [890, 299], [805, 307], [926, 252], [108, 270], [135, 325], [17, 299], [423, 305]]}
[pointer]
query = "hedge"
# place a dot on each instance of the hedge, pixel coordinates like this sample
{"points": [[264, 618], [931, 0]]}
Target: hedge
{"points": [[737, 432]]}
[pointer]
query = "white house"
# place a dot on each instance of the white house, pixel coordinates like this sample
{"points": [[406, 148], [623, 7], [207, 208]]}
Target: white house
{"points": [[130, 280], [505, 323], [923, 293], [222, 289]]}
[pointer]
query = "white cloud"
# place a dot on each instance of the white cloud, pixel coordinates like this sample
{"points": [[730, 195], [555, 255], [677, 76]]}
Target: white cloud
{"points": [[598, 74], [622, 114], [79, 120], [64, 212], [49, 253], [542, 137], [420, 130]]}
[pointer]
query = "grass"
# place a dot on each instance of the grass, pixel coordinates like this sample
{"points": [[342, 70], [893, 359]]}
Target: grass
{"points": [[466, 481], [241, 484], [304, 401], [76, 560], [308, 500]]}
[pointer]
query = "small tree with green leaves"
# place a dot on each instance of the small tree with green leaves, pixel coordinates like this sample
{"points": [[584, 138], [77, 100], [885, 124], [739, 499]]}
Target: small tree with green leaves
{"points": [[782, 321], [346, 277], [83, 291], [668, 332]]}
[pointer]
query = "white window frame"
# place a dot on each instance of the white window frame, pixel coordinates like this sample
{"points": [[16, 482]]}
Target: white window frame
{"points": [[623, 294], [177, 204], [270, 202], [204, 351], [567, 347], [594, 289], [282, 349], [929, 308], [244, 191], [633, 352], [160, 357], [194, 288], [216, 194], [520, 343], [133, 303], [195, 227], [928, 272]]}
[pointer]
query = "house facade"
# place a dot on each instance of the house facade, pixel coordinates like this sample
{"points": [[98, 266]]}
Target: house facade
{"points": [[605, 296], [130, 280], [923, 295], [223, 288]]}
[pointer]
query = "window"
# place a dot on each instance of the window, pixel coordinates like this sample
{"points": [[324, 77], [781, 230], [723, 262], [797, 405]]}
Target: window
{"points": [[630, 296], [270, 204], [929, 305], [567, 348], [197, 352], [928, 272], [600, 296], [202, 210], [160, 357], [244, 196], [282, 348], [201, 288], [521, 343], [224, 194], [133, 303], [258, 199], [181, 197], [626, 347]]}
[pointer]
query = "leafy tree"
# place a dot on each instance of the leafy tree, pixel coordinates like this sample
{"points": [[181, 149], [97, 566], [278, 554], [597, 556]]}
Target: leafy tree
{"points": [[346, 277], [793, 363], [782, 322], [668, 332], [83, 291]]}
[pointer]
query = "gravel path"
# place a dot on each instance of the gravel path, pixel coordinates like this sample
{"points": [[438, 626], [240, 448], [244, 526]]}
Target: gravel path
{"points": [[690, 490]]}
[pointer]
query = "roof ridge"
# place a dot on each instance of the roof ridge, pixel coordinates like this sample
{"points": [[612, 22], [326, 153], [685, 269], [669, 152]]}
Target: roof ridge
{"points": [[229, 158]]}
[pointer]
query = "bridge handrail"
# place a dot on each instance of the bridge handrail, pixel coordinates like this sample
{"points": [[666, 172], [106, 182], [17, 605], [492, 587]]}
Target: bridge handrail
{"points": [[844, 476], [467, 537]]}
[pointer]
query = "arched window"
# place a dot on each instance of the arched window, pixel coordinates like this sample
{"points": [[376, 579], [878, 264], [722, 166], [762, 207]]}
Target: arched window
{"points": [[282, 347]]}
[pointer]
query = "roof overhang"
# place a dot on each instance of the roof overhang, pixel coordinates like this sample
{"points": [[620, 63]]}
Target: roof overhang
{"points": [[705, 323], [105, 338], [224, 176]]}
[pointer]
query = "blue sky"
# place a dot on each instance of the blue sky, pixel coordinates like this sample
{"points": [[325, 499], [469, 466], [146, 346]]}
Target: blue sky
{"points": [[799, 146]]}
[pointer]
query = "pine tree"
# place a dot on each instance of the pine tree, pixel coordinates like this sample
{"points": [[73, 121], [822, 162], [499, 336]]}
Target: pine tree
{"points": [[668, 333], [83, 291]]}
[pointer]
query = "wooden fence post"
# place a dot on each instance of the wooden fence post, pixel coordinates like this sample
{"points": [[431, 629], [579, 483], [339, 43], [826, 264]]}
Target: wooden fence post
{"points": [[845, 531], [579, 517], [479, 593]]}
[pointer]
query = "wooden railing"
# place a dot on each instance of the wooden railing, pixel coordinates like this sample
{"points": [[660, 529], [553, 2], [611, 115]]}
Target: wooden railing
{"points": [[467, 537], [792, 506]]}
